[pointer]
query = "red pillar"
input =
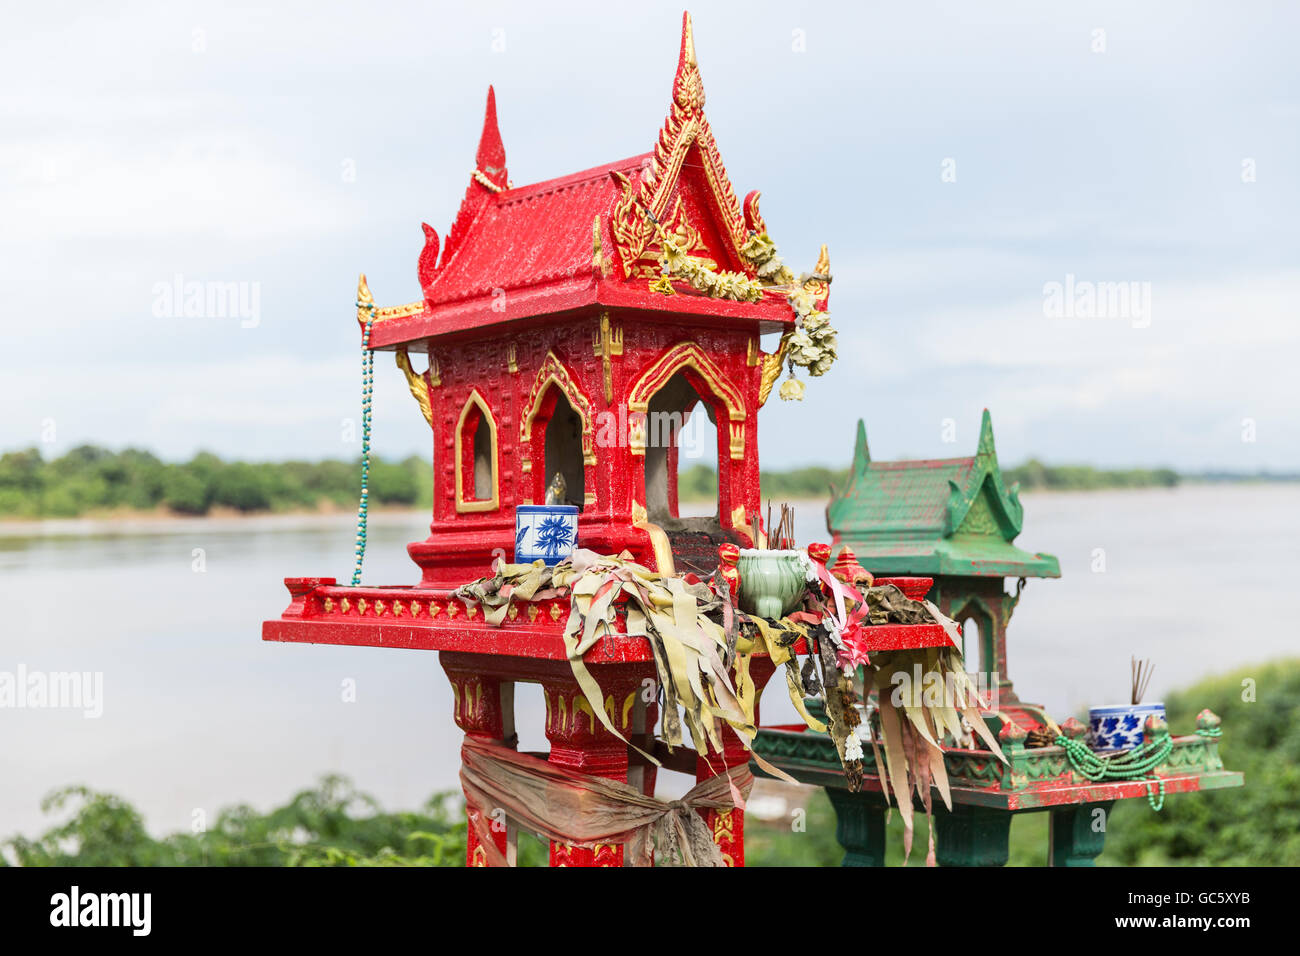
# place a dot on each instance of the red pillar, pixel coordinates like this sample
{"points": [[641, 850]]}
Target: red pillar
{"points": [[581, 742], [484, 709], [728, 826]]}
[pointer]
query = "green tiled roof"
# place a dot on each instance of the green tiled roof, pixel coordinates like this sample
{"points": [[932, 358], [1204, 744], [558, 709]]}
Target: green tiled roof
{"points": [[937, 516]]}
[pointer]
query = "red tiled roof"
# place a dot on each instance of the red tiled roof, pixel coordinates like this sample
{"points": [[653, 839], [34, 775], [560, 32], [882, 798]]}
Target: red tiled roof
{"points": [[530, 235], [516, 253]]}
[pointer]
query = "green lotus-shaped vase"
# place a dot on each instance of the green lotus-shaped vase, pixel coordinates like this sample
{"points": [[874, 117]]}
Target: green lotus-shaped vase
{"points": [[771, 582]]}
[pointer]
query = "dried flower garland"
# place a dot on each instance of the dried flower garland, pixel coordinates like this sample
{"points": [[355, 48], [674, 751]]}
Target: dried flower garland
{"points": [[811, 344], [736, 286]]}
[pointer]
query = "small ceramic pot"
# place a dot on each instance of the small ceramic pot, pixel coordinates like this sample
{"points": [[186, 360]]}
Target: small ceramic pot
{"points": [[548, 532], [1119, 726], [771, 582]]}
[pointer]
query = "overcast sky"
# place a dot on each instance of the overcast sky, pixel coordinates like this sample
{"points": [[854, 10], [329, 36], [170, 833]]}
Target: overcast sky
{"points": [[957, 158]]}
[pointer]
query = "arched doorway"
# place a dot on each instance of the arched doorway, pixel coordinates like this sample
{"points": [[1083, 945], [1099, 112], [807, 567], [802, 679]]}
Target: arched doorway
{"points": [[977, 639], [682, 438], [562, 454]]}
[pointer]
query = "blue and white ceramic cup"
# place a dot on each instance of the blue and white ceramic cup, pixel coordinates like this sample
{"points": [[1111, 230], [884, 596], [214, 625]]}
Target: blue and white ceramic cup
{"points": [[548, 532], [1119, 726]]}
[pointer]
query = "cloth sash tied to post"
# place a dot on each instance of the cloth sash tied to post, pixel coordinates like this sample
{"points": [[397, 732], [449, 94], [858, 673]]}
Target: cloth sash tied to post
{"points": [[568, 806]]}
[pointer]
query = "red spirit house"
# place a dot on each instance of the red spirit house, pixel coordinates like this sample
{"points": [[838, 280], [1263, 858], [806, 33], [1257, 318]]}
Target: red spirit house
{"points": [[548, 352], [555, 346]]}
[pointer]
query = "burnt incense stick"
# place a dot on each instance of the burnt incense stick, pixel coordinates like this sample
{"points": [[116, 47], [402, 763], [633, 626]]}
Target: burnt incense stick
{"points": [[1140, 678]]}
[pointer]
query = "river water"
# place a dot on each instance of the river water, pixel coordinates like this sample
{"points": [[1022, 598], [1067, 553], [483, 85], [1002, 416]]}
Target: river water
{"points": [[199, 713]]}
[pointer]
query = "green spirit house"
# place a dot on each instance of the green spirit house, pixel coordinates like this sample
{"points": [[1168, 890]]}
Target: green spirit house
{"points": [[954, 520]]}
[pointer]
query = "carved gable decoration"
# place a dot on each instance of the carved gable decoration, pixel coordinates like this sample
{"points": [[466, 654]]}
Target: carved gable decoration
{"points": [[684, 186]]}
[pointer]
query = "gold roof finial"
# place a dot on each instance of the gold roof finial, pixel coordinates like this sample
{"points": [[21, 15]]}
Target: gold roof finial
{"points": [[688, 88]]}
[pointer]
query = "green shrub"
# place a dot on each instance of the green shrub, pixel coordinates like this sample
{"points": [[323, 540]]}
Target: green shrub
{"points": [[242, 486], [184, 492]]}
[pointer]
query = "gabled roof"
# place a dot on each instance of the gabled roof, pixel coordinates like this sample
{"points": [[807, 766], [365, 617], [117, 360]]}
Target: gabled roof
{"points": [[529, 236], [589, 238], [938, 516]]}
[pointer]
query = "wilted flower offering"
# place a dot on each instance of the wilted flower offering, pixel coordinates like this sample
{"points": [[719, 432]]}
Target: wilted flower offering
{"points": [[791, 390]]}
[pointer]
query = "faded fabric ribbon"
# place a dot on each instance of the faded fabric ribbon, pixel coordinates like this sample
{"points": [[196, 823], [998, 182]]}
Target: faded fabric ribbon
{"points": [[694, 654], [567, 806]]}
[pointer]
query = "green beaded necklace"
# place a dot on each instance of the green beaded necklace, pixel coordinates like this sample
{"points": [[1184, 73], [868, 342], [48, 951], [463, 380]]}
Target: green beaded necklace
{"points": [[367, 388], [1131, 765]]}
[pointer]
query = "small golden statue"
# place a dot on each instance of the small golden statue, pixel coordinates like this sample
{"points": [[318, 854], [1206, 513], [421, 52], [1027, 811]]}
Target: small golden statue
{"points": [[557, 490]]}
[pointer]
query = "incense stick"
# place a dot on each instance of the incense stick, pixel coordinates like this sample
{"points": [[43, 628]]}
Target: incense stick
{"points": [[1140, 678]]}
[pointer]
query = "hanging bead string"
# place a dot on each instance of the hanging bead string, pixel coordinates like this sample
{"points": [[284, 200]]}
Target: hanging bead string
{"points": [[1139, 762], [367, 388]]}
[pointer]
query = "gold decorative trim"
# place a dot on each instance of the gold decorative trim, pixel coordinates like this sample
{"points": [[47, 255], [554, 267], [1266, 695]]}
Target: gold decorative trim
{"points": [[636, 433], [384, 313], [471, 505], [740, 525], [589, 498], [685, 126], [512, 357], [663, 550], [417, 383], [753, 354], [599, 267], [553, 371], [689, 355], [737, 437], [772, 365], [607, 341]]}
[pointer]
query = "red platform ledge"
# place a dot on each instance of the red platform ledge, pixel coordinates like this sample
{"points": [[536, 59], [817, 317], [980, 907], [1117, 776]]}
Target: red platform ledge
{"points": [[322, 612]]}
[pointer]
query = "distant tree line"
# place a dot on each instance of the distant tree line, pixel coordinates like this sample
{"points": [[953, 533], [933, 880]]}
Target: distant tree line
{"points": [[90, 480], [700, 482]]}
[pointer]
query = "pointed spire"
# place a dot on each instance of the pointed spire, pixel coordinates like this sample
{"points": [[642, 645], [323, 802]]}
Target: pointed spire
{"points": [[491, 157], [986, 436], [861, 455], [688, 88]]}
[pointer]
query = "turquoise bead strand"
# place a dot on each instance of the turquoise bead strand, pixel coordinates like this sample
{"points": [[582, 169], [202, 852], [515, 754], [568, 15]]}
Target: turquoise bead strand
{"points": [[1139, 762], [367, 390]]}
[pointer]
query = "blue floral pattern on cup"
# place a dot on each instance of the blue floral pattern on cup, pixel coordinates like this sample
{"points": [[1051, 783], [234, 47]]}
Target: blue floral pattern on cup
{"points": [[545, 532], [1119, 727]]}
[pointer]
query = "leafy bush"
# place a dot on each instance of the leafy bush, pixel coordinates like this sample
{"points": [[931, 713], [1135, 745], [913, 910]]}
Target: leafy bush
{"points": [[184, 492], [330, 825]]}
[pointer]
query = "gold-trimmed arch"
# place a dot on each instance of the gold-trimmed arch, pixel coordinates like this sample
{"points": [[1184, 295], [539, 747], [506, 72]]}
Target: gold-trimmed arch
{"points": [[554, 371], [463, 505], [689, 355]]}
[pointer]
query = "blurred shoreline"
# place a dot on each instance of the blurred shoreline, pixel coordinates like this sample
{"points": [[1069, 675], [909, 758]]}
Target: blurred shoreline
{"points": [[327, 515]]}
